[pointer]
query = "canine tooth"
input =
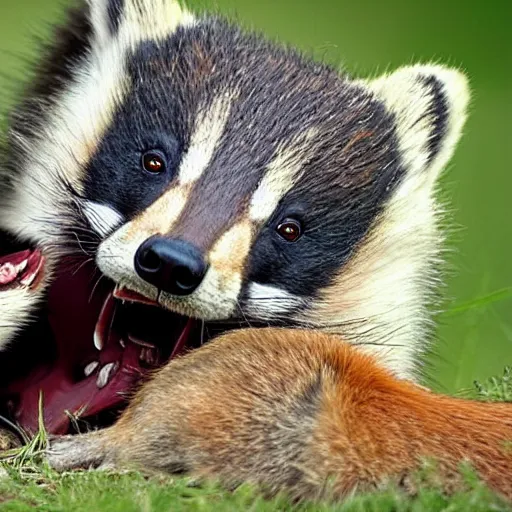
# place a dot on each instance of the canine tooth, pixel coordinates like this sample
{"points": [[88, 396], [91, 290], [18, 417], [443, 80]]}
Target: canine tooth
{"points": [[106, 374], [21, 266], [104, 323], [32, 268], [91, 368], [122, 343], [98, 341]]}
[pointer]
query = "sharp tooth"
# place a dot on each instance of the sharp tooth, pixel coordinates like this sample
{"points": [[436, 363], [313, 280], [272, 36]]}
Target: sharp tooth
{"points": [[140, 342], [98, 341], [104, 323], [29, 279], [21, 266], [122, 343], [91, 368], [34, 264], [105, 374]]}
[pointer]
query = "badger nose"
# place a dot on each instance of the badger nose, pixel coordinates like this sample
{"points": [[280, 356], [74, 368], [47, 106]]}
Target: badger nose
{"points": [[172, 265]]}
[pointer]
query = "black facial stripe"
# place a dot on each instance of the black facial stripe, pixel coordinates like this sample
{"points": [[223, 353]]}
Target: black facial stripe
{"points": [[337, 207], [151, 117], [115, 9], [438, 110]]}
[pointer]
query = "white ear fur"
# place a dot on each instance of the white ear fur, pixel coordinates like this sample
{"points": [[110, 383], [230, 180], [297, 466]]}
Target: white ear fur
{"points": [[100, 19], [136, 20], [390, 278], [429, 103]]}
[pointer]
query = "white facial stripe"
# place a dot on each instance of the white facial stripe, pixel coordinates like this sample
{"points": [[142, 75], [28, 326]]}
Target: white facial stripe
{"points": [[103, 218], [208, 130], [160, 216], [280, 177], [100, 21], [268, 302]]}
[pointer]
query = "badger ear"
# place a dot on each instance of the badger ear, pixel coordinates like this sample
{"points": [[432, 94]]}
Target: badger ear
{"points": [[136, 20], [429, 104]]}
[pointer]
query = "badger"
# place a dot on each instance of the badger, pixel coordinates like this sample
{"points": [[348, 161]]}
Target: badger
{"points": [[169, 176]]}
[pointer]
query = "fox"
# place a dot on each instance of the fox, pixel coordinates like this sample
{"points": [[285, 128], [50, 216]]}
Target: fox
{"points": [[296, 411], [170, 177]]}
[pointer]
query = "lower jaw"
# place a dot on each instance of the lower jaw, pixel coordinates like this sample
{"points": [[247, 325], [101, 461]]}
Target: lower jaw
{"points": [[56, 374]]}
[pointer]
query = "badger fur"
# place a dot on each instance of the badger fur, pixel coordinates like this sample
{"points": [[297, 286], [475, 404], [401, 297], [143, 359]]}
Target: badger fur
{"points": [[248, 136]]}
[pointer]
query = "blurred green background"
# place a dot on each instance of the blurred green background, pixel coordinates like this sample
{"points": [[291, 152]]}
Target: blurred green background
{"points": [[475, 340]]}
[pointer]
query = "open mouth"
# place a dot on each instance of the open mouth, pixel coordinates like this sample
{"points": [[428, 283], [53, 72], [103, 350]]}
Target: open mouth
{"points": [[91, 345]]}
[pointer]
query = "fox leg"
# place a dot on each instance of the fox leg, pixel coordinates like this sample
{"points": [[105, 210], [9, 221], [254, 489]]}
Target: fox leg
{"points": [[210, 416]]}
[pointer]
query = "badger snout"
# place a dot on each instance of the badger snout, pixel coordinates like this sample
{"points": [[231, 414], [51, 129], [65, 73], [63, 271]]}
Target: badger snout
{"points": [[172, 265]]}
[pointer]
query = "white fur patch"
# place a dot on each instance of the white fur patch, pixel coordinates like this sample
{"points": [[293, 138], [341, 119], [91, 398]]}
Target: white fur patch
{"points": [[70, 137], [16, 306], [208, 130], [116, 259], [380, 297], [103, 218], [269, 302], [152, 19], [280, 176], [215, 299], [408, 98], [83, 114]]}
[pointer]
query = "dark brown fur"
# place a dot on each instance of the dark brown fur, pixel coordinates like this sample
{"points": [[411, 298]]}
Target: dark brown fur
{"points": [[297, 411]]}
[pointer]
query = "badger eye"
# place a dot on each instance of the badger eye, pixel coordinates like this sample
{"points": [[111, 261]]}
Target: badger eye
{"points": [[154, 162], [290, 230]]}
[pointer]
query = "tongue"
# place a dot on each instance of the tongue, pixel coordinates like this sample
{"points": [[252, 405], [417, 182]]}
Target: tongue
{"points": [[63, 398]]}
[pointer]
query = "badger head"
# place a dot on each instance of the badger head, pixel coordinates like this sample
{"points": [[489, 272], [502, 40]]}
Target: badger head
{"points": [[174, 175]]}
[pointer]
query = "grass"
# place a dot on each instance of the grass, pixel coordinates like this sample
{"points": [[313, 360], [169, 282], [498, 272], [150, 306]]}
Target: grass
{"points": [[96, 492], [27, 483]]}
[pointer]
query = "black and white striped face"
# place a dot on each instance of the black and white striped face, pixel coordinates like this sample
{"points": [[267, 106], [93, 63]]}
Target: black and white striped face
{"points": [[223, 177]]}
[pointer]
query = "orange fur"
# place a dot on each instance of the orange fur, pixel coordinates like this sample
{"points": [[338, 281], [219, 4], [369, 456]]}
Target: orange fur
{"points": [[297, 411]]}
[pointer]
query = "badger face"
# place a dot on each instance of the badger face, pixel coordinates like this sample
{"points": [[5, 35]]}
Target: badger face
{"points": [[208, 173]]}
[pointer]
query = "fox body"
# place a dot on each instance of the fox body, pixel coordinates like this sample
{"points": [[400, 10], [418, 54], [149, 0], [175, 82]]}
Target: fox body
{"points": [[170, 176], [296, 411]]}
